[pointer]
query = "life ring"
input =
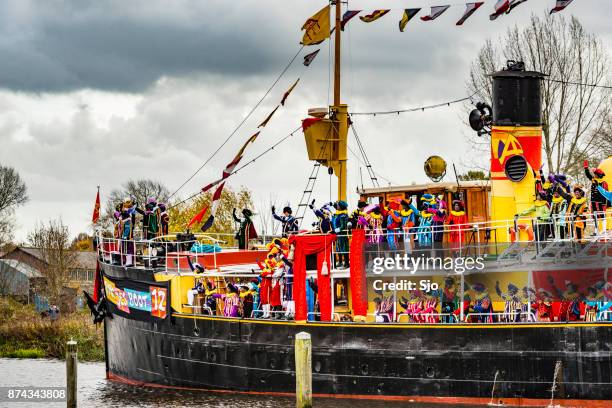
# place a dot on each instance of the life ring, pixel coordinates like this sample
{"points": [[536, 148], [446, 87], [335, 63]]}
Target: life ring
{"points": [[524, 227]]}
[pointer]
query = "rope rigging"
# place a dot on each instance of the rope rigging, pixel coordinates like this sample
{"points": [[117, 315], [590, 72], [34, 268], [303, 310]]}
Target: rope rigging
{"points": [[241, 122]]}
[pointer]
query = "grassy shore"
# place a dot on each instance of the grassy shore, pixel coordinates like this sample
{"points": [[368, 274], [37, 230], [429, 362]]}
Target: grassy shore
{"points": [[24, 334]]}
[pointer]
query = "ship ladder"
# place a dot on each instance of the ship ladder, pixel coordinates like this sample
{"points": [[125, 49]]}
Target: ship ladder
{"points": [[307, 193]]}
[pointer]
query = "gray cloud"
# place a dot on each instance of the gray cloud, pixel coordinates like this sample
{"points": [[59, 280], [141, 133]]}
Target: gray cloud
{"points": [[96, 93]]}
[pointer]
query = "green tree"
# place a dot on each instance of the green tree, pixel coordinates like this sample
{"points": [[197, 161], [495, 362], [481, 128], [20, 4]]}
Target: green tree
{"points": [[180, 215]]}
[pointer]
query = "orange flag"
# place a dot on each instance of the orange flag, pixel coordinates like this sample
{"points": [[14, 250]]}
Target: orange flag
{"points": [[198, 217], [96, 212]]}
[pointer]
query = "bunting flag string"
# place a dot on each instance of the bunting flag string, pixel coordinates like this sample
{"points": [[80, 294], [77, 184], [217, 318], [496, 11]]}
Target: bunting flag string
{"points": [[408, 14], [313, 24], [436, 11], [375, 15], [469, 10]]}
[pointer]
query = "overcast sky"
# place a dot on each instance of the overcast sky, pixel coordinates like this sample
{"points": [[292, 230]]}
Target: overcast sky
{"points": [[95, 93]]}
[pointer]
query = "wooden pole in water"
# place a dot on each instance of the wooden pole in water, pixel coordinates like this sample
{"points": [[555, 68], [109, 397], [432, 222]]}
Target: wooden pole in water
{"points": [[71, 374], [303, 370]]}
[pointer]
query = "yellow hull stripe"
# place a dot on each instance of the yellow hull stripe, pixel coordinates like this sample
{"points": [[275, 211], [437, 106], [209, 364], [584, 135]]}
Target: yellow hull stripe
{"points": [[403, 326]]}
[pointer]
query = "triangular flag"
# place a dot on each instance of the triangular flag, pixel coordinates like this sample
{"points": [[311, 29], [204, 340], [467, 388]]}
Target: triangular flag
{"points": [[514, 3], [209, 223], [96, 212], [286, 95], [408, 14], [500, 8], [470, 8], [375, 15], [560, 5], [348, 14], [266, 120], [316, 27], [198, 217], [216, 196], [308, 58], [436, 11]]}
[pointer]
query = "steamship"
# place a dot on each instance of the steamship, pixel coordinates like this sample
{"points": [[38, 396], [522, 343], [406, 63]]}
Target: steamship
{"points": [[153, 337]]}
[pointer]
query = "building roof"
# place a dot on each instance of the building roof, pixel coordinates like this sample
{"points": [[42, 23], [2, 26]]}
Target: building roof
{"points": [[450, 186], [84, 259], [21, 267]]}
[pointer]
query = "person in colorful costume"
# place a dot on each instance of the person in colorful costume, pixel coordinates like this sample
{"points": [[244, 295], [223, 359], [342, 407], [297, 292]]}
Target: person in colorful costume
{"points": [[570, 300], [457, 220], [150, 219], [513, 306], [543, 305], [575, 212], [246, 301], [246, 231], [375, 223], [231, 301], [254, 287], [358, 217], [265, 288], [164, 219], [592, 301], [450, 299], [424, 230], [341, 228], [384, 308], [558, 209], [605, 193], [288, 221], [439, 217], [127, 243], [394, 223], [599, 202], [408, 214], [483, 305], [541, 209], [324, 216]]}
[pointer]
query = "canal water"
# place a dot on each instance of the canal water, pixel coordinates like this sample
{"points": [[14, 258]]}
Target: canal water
{"points": [[95, 391]]}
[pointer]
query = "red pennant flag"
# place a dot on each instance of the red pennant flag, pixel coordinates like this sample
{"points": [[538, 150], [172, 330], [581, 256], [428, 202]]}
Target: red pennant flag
{"points": [[96, 212], [436, 11], [198, 217], [501, 7], [470, 8]]}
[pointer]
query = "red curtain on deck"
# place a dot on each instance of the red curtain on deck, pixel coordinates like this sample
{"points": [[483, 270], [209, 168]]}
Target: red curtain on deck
{"points": [[359, 291], [308, 245]]}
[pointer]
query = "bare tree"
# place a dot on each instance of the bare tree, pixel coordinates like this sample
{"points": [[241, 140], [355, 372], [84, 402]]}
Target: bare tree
{"points": [[13, 193], [53, 241], [575, 107]]}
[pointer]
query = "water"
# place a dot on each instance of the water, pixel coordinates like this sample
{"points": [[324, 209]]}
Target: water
{"points": [[96, 391]]}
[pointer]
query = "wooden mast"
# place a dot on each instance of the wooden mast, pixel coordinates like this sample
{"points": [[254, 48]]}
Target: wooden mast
{"points": [[340, 111]]}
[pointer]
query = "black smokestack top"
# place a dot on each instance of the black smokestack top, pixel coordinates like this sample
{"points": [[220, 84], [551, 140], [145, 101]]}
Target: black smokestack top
{"points": [[517, 96]]}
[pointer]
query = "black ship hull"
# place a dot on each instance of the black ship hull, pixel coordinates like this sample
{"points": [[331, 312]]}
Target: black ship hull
{"points": [[458, 361]]}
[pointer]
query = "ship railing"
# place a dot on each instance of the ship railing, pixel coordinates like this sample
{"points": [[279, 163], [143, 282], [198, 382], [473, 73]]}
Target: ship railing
{"points": [[490, 238], [203, 307], [438, 316], [163, 253], [500, 316]]}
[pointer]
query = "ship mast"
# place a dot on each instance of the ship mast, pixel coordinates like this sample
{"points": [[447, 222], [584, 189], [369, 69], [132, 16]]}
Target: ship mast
{"points": [[339, 114], [326, 140]]}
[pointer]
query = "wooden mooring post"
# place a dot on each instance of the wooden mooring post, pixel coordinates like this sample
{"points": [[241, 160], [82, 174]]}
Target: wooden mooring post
{"points": [[71, 374], [303, 370]]}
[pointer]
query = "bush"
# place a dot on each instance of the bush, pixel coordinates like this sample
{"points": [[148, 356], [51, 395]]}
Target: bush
{"points": [[23, 330]]}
